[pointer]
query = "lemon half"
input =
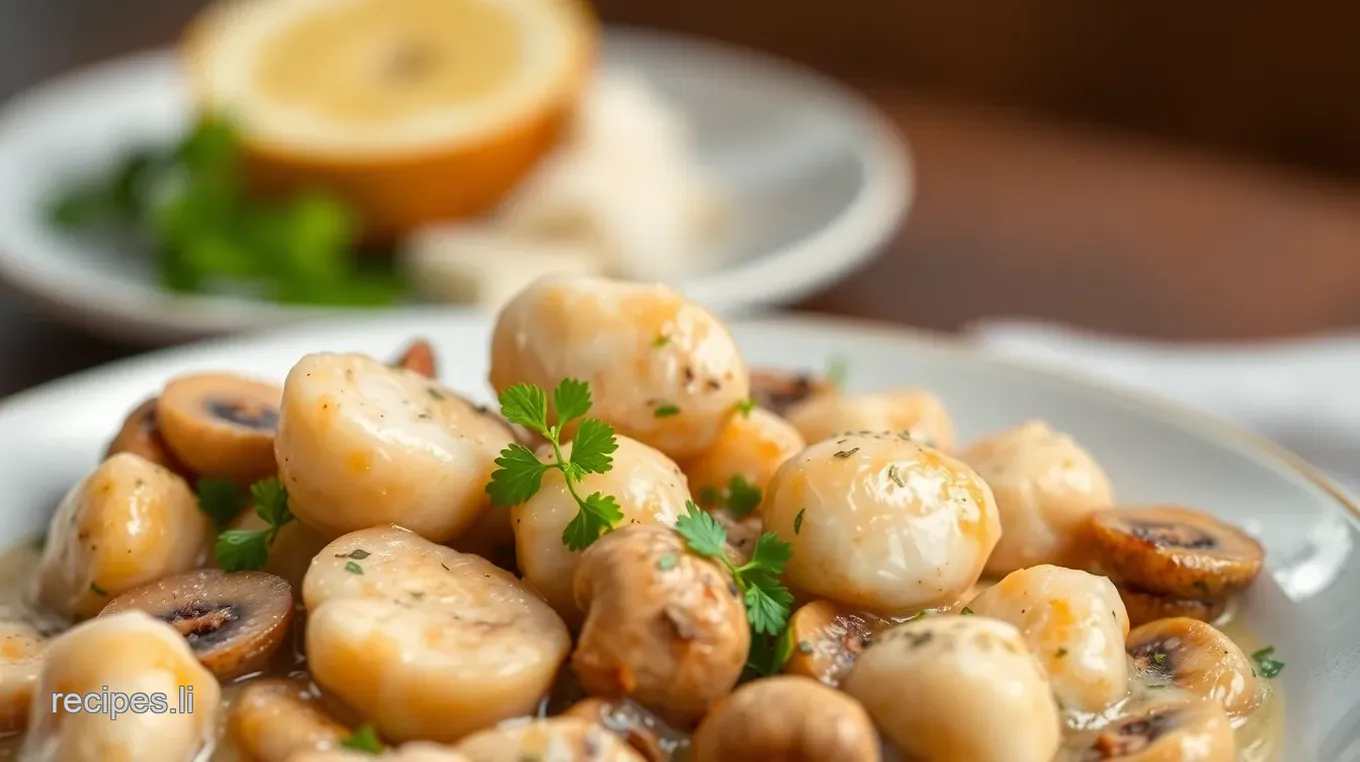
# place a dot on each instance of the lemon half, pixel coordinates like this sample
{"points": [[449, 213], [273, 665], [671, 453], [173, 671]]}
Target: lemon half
{"points": [[414, 110]]}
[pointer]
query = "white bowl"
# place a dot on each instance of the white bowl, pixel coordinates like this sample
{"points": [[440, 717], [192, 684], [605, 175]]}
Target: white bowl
{"points": [[1153, 451], [819, 182]]}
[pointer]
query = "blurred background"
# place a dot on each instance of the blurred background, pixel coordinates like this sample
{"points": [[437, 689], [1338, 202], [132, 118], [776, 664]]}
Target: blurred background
{"points": [[1162, 171]]}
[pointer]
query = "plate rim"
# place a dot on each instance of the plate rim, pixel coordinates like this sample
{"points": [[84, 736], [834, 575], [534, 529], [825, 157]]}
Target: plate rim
{"points": [[849, 240], [433, 317]]}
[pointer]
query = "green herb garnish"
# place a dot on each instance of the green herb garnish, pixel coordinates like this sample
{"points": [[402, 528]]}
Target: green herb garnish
{"points": [[740, 498], [520, 472], [745, 407], [364, 739], [666, 411], [767, 600], [220, 499], [836, 372], [1266, 664], [798, 521], [248, 549]]}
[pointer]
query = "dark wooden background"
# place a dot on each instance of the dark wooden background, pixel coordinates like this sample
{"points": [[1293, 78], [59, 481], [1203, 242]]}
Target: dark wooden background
{"points": [[1179, 170]]}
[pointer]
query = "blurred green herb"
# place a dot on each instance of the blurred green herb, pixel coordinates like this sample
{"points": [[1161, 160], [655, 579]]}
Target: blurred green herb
{"points": [[208, 235]]}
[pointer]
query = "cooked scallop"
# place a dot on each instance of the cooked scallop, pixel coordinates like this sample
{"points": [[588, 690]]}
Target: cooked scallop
{"points": [[556, 739], [1144, 607], [1075, 624], [1046, 486], [1175, 551], [649, 489], [128, 523], [219, 424], [661, 370], [751, 449], [21, 657], [141, 435], [134, 655], [650, 737], [827, 639], [362, 444], [786, 718], [882, 523], [274, 719], [418, 357], [663, 626], [233, 621], [1173, 731], [984, 697], [426, 642], [914, 412], [780, 390], [1195, 657]]}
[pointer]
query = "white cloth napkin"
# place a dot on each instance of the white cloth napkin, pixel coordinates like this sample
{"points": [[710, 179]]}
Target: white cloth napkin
{"points": [[1304, 394]]}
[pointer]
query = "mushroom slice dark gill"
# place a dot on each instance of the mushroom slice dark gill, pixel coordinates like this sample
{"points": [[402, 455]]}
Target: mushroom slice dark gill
{"points": [[233, 621], [221, 425], [1144, 607], [418, 357], [1175, 551], [1194, 657], [779, 390], [1196, 729], [141, 435]]}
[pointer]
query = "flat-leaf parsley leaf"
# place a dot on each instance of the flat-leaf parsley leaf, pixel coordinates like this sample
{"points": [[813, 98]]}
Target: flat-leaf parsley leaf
{"points": [[767, 600], [740, 498], [365, 739], [1266, 664], [248, 549]]}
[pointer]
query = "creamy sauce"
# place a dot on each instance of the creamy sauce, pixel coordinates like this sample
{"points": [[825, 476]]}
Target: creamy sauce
{"points": [[1260, 734]]}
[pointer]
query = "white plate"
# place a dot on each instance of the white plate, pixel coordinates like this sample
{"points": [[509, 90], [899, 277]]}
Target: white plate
{"points": [[819, 179], [1307, 607]]}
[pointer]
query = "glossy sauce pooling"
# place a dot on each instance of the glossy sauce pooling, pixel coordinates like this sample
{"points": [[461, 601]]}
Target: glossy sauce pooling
{"points": [[1259, 734]]}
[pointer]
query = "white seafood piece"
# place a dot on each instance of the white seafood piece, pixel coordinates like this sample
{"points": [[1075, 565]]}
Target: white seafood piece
{"points": [[426, 642], [753, 446], [881, 523], [556, 739], [21, 656], [916, 412], [128, 523], [362, 444]]}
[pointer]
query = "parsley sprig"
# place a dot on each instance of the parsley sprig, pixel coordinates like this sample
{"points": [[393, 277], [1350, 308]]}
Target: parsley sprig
{"points": [[521, 472], [767, 600], [740, 498], [1266, 663], [248, 549], [364, 739]]}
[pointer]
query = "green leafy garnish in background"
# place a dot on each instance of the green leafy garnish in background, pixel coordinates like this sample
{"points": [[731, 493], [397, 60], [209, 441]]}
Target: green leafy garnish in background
{"points": [[190, 206], [248, 549]]}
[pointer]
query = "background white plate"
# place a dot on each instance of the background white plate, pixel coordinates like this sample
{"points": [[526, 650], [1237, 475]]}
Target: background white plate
{"points": [[1307, 606], [819, 179]]}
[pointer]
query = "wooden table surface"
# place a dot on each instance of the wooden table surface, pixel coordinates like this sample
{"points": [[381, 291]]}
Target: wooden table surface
{"points": [[1015, 217]]}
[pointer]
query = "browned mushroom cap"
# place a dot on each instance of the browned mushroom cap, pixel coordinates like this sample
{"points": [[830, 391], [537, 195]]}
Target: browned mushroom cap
{"points": [[1167, 732], [645, 732], [1144, 607], [274, 719], [221, 425], [141, 435], [1197, 658], [418, 358], [787, 717], [779, 390], [233, 621], [1175, 551], [827, 639]]}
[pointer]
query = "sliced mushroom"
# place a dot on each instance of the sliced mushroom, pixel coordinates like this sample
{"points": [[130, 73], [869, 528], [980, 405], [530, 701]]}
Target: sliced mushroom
{"points": [[780, 390], [362, 444], [661, 370], [234, 622], [21, 657], [455, 643], [274, 718], [649, 735], [649, 488], [1144, 607], [1167, 732], [881, 523], [415, 751], [128, 523], [663, 626], [221, 425], [419, 358], [556, 739], [1075, 625], [787, 717], [122, 687], [1175, 551], [827, 639], [1195, 657], [913, 412], [141, 435], [972, 673], [751, 449], [291, 553], [1046, 486]]}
